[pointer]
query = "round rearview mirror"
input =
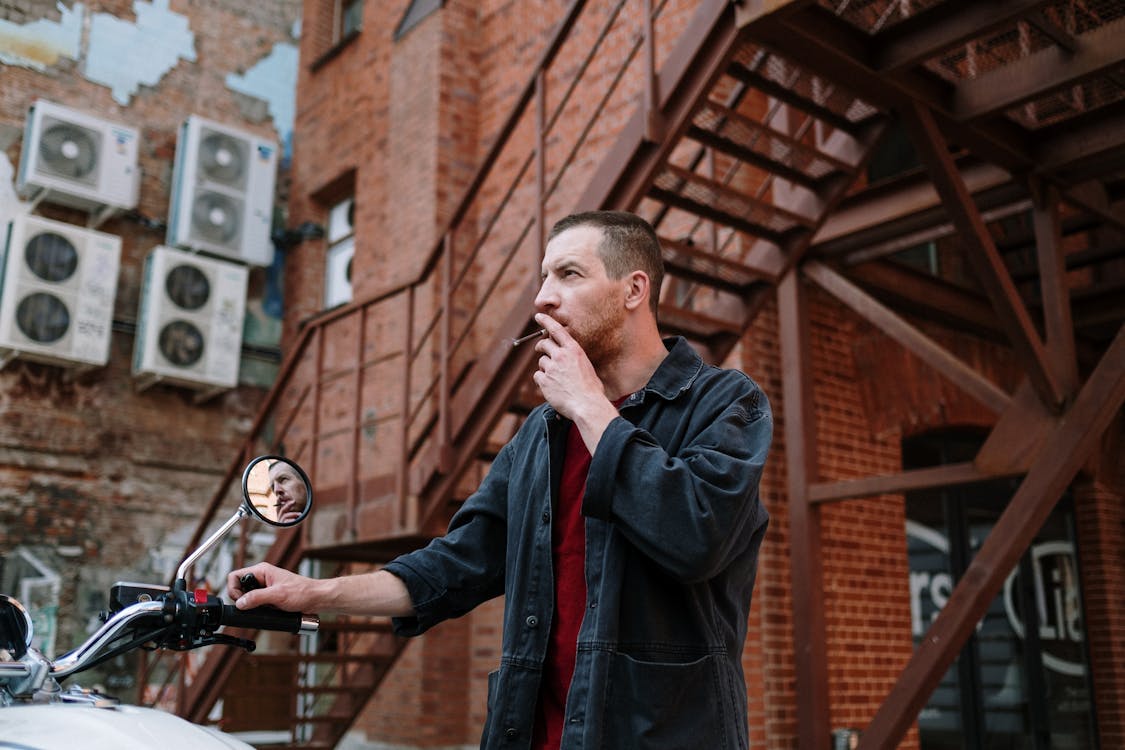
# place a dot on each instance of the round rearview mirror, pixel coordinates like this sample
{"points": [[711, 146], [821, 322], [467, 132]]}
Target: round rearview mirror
{"points": [[277, 490], [15, 627]]}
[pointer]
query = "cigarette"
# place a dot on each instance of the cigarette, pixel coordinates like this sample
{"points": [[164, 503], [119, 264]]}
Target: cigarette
{"points": [[529, 337]]}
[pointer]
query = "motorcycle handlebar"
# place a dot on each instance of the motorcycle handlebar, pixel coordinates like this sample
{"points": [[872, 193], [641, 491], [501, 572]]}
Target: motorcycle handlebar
{"points": [[269, 618]]}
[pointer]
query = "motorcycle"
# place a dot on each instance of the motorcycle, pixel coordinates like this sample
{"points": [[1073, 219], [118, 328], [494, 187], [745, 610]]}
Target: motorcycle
{"points": [[37, 712]]}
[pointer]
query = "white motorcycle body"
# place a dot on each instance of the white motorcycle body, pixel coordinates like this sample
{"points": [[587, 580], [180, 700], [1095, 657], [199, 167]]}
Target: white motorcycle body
{"points": [[74, 726], [38, 711]]}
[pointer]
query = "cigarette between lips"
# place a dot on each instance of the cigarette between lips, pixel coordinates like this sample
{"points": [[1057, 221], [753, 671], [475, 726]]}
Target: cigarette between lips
{"points": [[529, 337]]}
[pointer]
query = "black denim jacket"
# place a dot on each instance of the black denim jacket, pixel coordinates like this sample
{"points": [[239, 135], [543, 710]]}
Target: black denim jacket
{"points": [[673, 527]]}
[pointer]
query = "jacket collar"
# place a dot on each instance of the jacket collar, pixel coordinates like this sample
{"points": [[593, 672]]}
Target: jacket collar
{"points": [[675, 374]]}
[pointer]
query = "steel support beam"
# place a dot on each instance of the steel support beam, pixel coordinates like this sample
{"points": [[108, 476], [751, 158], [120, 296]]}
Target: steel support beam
{"points": [[1057, 320], [981, 252], [943, 27], [810, 649], [1073, 440], [922, 346], [928, 296], [1097, 52], [890, 484]]}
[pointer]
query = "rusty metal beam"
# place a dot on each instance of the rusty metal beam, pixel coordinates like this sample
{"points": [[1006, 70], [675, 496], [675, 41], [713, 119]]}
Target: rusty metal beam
{"points": [[1080, 150], [1098, 52], [1093, 198], [943, 27], [1004, 207], [1018, 436], [810, 645], [882, 213], [928, 296], [1057, 320], [922, 346], [892, 484], [981, 252], [1073, 440]]}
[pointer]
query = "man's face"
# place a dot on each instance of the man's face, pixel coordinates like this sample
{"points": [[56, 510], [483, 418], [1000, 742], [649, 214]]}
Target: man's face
{"points": [[288, 489], [578, 294]]}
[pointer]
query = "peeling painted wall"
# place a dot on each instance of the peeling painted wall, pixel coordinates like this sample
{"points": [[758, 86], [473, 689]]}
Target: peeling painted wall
{"points": [[40, 44], [125, 54], [274, 79]]}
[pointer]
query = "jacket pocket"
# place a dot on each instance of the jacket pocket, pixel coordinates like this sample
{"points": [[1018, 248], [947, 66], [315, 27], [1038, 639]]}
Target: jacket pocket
{"points": [[657, 705]]}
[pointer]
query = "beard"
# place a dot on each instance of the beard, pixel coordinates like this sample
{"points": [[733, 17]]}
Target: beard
{"points": [[601, 333]]}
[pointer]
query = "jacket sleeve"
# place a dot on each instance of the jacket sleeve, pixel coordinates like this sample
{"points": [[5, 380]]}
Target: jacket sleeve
{"points": [[454, 573], [691, 511]]}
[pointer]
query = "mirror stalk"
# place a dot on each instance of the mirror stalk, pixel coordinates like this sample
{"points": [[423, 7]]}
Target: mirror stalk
{"points": [[181, 572]]}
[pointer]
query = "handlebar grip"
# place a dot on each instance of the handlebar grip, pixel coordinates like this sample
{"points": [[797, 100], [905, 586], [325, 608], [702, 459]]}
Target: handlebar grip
{"points": [[269, 618], [249, 582]]}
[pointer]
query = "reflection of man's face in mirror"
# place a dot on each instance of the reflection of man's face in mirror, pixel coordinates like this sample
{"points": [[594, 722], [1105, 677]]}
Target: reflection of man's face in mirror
{"points": [[289, 492]]}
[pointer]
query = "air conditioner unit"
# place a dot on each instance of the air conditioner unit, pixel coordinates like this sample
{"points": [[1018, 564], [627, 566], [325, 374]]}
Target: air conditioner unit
{"points": [[78, 160], [58, 287], [189, 326], [338, 273], [222, 192]]}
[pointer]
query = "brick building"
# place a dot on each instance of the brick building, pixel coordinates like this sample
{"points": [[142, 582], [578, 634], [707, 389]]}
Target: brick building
{"points": [[903, 220], [103, 475]]}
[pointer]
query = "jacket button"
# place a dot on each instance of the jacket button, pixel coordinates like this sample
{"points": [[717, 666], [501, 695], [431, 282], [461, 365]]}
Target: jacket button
{"points": [[511, 733], [546, 516], [532, 621]]}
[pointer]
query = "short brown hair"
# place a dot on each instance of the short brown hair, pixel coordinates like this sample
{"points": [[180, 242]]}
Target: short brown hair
{"points": [[629, 243]]}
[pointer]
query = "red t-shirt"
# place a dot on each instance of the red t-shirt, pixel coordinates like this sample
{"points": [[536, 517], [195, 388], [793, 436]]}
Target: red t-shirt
{"points": [[568, 545]]}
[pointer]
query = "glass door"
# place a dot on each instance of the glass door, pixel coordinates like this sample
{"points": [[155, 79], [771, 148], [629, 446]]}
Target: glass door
{"points": [[1022, 680]]}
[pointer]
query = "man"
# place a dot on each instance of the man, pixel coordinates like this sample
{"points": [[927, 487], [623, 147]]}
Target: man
{"points": [[622, 523], [289, 492]]}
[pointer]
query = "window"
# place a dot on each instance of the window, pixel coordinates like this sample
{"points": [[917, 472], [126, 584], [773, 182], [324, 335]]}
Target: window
{"points": [[1022, 680], [349, 19], [338, 259]]}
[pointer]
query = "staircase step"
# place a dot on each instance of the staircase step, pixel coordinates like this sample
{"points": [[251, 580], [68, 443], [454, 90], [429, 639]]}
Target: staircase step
{"points": [[685, 260], [336, 689], [759, 144], [345, 719], [712, 200], [696, 325]]}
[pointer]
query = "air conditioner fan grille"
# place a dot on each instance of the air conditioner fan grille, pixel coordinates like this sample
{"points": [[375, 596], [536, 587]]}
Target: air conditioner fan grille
{"points": [[70, 151], [51, 257], [42, 317]]}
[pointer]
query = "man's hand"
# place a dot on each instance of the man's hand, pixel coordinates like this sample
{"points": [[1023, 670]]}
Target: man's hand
{"points": [[280, 588], [568, 382], [379, 593]]}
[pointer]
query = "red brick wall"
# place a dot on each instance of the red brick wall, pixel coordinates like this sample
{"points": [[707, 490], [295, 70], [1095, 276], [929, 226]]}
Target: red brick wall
{"points": [[1099, 501]]}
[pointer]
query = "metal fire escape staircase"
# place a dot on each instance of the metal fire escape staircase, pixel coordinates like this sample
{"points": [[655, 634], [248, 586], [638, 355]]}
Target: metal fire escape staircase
{"points": [[746, 147]]}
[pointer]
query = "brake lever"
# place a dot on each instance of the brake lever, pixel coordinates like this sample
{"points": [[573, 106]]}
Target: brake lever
{"points": [[222, 639]]}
